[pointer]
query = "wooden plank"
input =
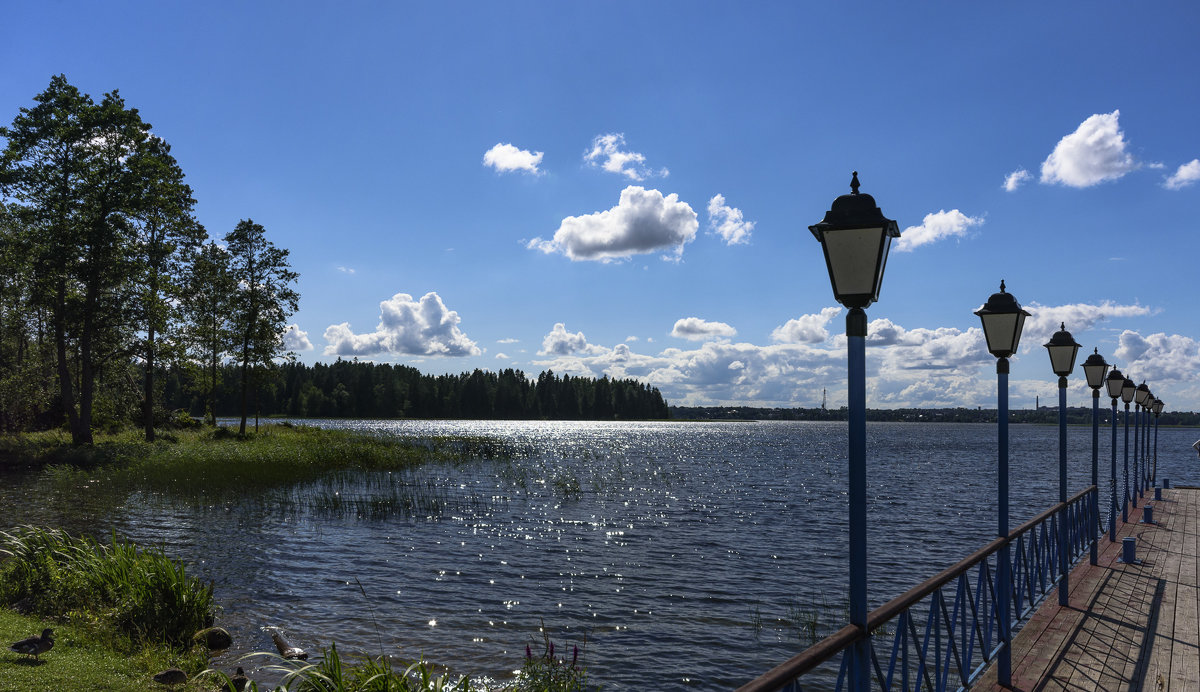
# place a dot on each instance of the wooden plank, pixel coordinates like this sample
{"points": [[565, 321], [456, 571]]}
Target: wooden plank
{"points": [[1128, 626]]}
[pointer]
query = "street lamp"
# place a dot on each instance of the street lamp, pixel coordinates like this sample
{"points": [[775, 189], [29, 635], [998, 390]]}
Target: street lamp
{"points": [[1093, 369], [1003, 319], [1062, 349], [855, 237], [1140, 394], [1114, 382], [1127, 389]]}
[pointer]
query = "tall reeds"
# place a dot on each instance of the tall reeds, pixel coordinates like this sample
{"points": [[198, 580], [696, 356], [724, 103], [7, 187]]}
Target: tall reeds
{"points": [[140, 593]]}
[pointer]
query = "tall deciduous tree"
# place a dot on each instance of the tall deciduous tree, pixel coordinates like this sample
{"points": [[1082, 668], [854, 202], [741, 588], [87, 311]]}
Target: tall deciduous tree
{"points": [[206, 305], [263, 301], [67, 164], [166, 234]]}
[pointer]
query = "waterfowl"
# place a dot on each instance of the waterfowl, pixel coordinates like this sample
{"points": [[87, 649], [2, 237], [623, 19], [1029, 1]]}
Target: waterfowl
{"points": [[171, 677], [239, 680], [34, 646]]}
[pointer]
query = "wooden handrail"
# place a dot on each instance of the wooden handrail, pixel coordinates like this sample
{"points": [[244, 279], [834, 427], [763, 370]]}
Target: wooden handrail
{"points": [[828, 647]]}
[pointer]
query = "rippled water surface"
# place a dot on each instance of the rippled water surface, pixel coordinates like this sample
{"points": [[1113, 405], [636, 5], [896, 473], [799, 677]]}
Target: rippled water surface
{"points": [[687, 555]]}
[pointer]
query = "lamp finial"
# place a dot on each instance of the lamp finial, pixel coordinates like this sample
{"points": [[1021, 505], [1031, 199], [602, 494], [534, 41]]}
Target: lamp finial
{"points": [[1002, 285], [854, 183], [1062, 326]]}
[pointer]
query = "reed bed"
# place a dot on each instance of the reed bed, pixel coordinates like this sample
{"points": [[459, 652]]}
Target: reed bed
{"points": [[140, 593]]}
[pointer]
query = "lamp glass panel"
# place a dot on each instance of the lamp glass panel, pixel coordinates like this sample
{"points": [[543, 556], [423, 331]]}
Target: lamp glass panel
{"points": [[1127, 391], [853, 257], [1062, 359], [1114, 386], [1002, 331], [1139, 395], [1095, 375]]}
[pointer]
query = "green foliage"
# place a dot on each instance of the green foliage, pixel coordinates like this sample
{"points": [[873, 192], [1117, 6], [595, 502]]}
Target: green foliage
{"points": [[142, 594], [350, 389]]}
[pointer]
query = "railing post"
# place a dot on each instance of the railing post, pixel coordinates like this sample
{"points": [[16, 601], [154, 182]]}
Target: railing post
{"points": [[1004, 562]]}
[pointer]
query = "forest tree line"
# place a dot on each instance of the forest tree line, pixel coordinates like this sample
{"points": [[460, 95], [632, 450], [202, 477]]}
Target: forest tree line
{"points": [[106, 276], [350, 389]]}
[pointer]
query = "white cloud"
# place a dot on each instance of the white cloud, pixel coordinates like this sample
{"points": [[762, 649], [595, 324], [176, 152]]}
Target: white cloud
{"points": [[506, 158], [345, 270], [1092, 154], [643, 221], [727, 221], [806, 329], [943, 224], [607, 153], [501, 356], [1015, 179], [406, 327], [1185, 175], [696, 329], [560, 342], [509, 340], [296, 339], [906, 367], [1078, 318]]}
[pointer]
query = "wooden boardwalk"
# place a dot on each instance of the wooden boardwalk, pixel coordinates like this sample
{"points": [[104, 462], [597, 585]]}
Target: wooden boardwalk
{"points": [[1128, 627]]}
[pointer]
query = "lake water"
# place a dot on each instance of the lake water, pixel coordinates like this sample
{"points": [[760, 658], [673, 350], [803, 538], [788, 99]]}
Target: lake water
{"points": [[688, 555]]}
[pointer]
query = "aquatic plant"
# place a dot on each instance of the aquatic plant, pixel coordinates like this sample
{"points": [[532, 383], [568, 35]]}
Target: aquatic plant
{"points": [[140, 593], [550, 672], [334, 673]]}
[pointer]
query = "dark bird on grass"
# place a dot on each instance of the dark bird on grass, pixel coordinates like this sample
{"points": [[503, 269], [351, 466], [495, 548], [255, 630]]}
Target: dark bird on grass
{"points": [[240, 681], [34, 646], [171, 677]]}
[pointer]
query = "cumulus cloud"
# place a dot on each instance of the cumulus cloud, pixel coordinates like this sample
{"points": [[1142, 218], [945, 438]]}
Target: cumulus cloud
{"points": [[643, 221], [806, 329], [296, 339], [346, 270], [506, 158], [943, 224], [560, 342], [608, 152], [509, 340], [727, 221], [1016, 179], [1094, 153], [1078, 317], [406, 327], [1185, 175], [696, 329]]}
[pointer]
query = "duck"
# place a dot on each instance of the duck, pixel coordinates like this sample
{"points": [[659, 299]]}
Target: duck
{"points": [[239, 680], [171, 677], [35, 646]]}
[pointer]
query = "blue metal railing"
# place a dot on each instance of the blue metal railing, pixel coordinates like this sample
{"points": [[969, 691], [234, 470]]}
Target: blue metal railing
{"points": [[944, 632]]}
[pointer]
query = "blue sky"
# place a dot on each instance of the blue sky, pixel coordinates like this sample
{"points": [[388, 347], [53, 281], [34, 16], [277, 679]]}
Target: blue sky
{"points": [[625, 187]]}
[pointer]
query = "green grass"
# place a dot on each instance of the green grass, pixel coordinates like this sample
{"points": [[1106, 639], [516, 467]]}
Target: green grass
{"points": [[209, 464], [81, 659]]}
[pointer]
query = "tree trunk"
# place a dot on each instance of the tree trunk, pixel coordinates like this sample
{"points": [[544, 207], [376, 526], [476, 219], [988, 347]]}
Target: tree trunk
{"points": [[66, 391], [245, 384], [149, 403]]}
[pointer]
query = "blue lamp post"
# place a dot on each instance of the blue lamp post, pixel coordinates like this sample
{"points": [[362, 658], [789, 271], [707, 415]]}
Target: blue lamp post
{"points": [[1003, 319], [1093, 369], [1158, 407], [1140, 394], [1127, 390], [1114, 383], [855, 237], [1062, 349], [1144, 476]]}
